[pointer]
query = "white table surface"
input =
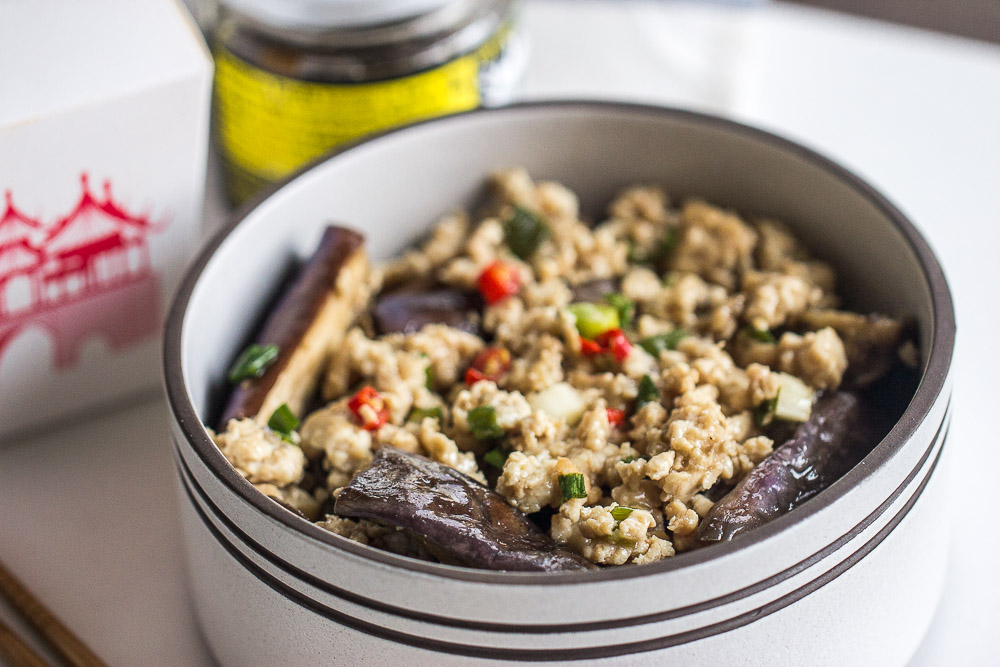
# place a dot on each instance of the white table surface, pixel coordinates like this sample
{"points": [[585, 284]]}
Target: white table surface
{"points": [[89, 514]]}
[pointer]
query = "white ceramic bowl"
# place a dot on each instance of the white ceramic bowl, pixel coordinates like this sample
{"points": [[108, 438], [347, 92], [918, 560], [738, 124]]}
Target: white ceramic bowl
{"points": [[851, 577]]}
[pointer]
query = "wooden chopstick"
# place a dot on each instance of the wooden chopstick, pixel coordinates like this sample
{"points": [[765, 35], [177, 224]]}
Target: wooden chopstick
{"points": [[15, 651], [58, 636]]}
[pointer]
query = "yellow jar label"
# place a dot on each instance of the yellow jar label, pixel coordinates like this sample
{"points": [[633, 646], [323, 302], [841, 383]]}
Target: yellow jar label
{"points": [[269, 125]]}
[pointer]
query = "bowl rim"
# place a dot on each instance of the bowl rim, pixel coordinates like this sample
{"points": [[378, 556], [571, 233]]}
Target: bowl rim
{"points": [[931, 384]]}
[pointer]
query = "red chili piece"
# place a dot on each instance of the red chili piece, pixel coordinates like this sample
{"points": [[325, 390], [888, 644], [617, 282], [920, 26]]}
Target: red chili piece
{"points": [[498, 281], [615, 417], [369, 408], [611, 342], [615, 342], [490, 364], [589, 348]]}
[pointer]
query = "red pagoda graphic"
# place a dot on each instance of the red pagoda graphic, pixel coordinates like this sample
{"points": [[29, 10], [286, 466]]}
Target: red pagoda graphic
{"points": [[85, 275]]}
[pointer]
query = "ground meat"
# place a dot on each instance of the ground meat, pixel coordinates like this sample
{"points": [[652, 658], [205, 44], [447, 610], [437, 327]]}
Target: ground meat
{"points": [[686, 302], [260, 454], [439, 447], [869, 342], [539, 367], [774, 298], [294, 497], [594, 533], [372, 534], [539, 433], [574, 252], [819, 358], [346, 447], [640, 204], [445, 242], [531, 482], [715, 244], [379, 363], [712, 310], [777, 250], [692, 448]]}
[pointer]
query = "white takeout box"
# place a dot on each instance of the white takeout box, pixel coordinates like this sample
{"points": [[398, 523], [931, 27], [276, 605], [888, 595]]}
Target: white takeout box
{"points": [[103, 136]]}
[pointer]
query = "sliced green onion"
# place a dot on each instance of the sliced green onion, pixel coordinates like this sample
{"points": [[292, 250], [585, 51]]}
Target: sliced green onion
{"points": [[593, 319], [794, 399], [647, 393], [524, 232], [669, 241], [496, 457], [625, 307], [621, 513], [763, 412], [252, 362], [283, 421], [635, 255], [617, 538], [760, 335], [572, 486], [629, 459], [429, 378], [483, 423], [420, 414], [638, 255], [664, 341]]}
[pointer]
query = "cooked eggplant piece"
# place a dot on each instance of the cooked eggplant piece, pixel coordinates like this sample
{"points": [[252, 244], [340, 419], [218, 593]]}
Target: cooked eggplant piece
{"points": [[407, 310], [593, 291], [453, 513], [833, 440], [310, 318]]}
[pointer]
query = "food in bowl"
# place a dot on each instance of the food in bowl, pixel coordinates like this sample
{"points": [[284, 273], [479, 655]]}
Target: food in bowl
{"points": [[530, 392]]}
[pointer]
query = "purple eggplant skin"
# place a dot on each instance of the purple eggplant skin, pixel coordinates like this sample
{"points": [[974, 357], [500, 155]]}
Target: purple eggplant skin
{"points": [[836, 437], [407, 311], [593, 291], [298, 324], [453, 513]]}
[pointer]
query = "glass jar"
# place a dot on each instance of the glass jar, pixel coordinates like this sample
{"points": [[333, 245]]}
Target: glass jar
{"points": [[295, 78]]}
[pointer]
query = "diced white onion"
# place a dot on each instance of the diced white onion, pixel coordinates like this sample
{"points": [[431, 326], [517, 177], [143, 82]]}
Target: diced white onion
{"points": [[560, 401], [795, 399]]}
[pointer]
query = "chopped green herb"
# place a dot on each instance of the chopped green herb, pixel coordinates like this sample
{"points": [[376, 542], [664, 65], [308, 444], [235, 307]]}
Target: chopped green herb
{"points": [[524, 232], [593, 319], [496, 457], [619, 539], [629, 459], [624, 306], [763, 412], [429, 378], [252, 362], [283, 421], [572, 486], [635, 255], [666, 244], [664, 341], [759, 335], [647, 392], [420, 414], [483, 423], [638, 255], [621, 513]]}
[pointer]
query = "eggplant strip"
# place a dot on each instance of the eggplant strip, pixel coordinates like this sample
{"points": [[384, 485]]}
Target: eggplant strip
{"points": [[407, 310], [830, 443], [453, 513], [311, 317]]}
